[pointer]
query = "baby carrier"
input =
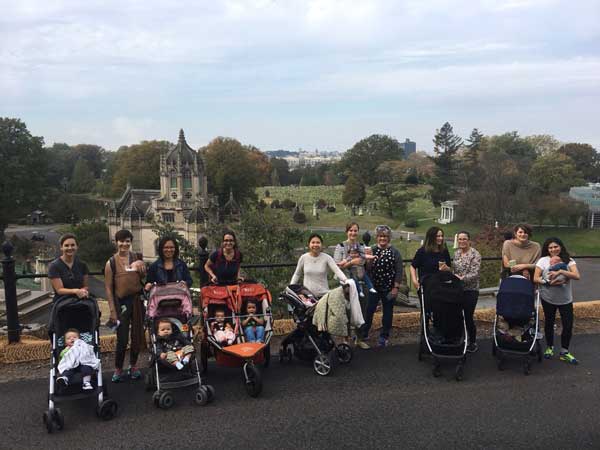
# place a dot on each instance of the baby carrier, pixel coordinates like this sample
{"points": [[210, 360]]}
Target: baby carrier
{"points": [[232, 299], [84, 316], [172, 302], [516, 322], [306, 342], [443, 328]]}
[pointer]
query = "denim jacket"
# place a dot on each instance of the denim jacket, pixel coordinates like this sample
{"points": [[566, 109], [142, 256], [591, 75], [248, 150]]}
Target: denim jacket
{"points": [[157, 273]]}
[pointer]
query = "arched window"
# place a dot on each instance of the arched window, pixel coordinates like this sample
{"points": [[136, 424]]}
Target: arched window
{"points": [[187, 180], [173, 180]]}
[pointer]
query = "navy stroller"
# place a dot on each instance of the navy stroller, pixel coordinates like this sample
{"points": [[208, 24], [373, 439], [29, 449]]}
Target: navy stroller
{"points": [[443, 328], [517, 322], [83, 315]]}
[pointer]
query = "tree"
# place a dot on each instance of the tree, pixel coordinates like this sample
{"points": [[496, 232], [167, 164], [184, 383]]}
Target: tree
{"points": [[283, 171], [128, 162], [275, 178], [93, 154], [354, 191], [22, 170], [262, 165], [471, 156], [554, 173], [82, 180], [543, 144], [586, 159], [393, 199], [364, 158], [232, 168], [446, 145]]}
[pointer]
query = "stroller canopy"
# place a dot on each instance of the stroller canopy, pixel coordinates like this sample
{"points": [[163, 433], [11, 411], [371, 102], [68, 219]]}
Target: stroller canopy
{"points": [[515, 298], [73, 312], [172, 299]]}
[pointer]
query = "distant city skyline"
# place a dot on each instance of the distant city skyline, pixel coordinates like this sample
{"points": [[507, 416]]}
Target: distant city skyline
{"points": [[310, 74]]}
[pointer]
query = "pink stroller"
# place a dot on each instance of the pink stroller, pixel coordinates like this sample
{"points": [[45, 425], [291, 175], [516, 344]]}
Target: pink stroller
{"points": [[172, 302]]}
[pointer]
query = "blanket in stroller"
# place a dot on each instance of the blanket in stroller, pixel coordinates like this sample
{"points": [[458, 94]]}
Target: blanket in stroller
{"points": [[330, 313]]}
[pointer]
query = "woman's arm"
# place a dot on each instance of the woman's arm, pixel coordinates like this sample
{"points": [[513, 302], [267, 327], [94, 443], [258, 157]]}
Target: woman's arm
{"points": [[413, 277], [108, 288], [572, 273], [208, 267], [299, 271], [537, 275], [335, 269], [60, 289]]}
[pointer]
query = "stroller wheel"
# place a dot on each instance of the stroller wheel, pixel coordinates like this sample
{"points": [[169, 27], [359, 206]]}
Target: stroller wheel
{"points": [[322, 364], [48, 422], [165, 400], [201, 397], [267, 355], [155, 398], [149, 379], [493, 349], [539, 352], [437, 370], [527, 367], [253, 380], [459, 372], [107, 410], [344, 353], [59, 419], [286, 355], [211, 392]]}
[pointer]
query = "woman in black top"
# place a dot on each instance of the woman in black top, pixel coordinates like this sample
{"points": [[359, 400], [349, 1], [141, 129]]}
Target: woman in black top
{"points": [[223, 265], [432, 257], [67, 273]]}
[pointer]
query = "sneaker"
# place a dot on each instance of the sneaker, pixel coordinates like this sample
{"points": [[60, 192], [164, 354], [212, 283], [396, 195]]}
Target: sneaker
{"points": [[383, 341], [373, 291], [549, 353], [179, 365], [361, 295], [362, 344], [472, 347], [568, 357], [87, 386], [62, 381], [134, 373], [117, 376]]}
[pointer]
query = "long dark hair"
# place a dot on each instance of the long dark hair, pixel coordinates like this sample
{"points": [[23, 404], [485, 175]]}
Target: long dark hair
{"points": [[232, 234], [431, 241], [162, 243], [564, 254]]}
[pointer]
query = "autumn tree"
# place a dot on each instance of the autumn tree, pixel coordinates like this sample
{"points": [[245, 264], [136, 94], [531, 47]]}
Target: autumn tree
{"points": [[365, 157]]}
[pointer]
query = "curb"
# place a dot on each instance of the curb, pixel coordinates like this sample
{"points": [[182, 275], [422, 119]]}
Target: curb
{"points": [[37, 349]]}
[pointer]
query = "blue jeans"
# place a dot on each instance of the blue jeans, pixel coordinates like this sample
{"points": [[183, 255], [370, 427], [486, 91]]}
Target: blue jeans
{"points": [[388, 311], [366, 280], [255, 334]]}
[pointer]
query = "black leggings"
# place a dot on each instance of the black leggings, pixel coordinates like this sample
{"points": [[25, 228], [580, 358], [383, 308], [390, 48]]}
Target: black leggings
{"points": [[470, 302], [566, 317], [126, 318]]}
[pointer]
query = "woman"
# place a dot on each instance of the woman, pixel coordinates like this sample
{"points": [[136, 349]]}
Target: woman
{"points": [[67, 273], [556, 294], [168, 268], [387, 274], [223, 265], [314, 266], [430, 258], [354, 266], [467, 264], [519, 254], [123, 274]]}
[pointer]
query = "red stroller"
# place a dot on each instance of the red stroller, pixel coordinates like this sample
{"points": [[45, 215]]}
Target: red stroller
{"points": [[233, 299]]}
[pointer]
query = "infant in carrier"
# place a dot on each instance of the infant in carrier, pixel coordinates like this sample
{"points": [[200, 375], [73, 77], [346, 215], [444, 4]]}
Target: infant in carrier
{"points": [[253, 325], [222, 330], [516, 330], [358, 272], [77, 356], [556, 264], [173, 348]]}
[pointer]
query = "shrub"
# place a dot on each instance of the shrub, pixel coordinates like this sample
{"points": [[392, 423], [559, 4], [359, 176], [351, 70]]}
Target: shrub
{"points": [[287, 203], [331, 209], [275, 204], [411, 222], [299, 217], [321, 204]]}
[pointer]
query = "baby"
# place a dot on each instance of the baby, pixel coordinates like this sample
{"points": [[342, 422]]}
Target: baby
{"points": [[222, 330], [77, 356], [253, 325], [556, 264], [173, 348], [358, 272]]}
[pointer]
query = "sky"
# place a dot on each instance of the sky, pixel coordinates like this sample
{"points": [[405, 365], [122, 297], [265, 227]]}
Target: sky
{"points": [[306, 74]]}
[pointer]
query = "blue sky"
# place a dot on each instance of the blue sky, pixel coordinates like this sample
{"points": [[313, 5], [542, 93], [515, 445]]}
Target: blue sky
{"points": [[299, 74]]}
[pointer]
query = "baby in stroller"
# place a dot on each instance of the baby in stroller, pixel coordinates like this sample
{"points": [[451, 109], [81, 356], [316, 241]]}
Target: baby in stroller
{"points": [[173, 348], [222, 330], [77, 356]]}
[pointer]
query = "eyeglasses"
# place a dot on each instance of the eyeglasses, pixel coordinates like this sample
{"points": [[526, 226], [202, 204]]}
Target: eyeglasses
{"points": [[228, 240], [383, 229]]}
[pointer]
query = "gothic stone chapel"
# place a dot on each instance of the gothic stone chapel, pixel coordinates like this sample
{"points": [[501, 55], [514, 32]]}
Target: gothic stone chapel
{"points": [[182, 201]]}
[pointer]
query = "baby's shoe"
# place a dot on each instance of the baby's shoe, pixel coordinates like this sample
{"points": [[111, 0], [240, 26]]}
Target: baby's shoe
{"points": [[62, 381], [87, 386], [373, 291], [179, 365]]}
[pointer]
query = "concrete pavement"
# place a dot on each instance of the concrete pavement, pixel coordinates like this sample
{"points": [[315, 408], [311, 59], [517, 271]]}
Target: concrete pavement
{"points": [[384, 399]]}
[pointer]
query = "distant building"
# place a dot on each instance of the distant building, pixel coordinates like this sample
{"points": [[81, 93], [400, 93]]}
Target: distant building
{"points": [[409, 147], [182, 201], [590, 195]]}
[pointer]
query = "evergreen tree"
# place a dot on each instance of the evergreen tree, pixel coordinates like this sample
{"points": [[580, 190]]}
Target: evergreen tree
{"points": [[275, 178], [82, 180], [354, 191], [446, 145]]}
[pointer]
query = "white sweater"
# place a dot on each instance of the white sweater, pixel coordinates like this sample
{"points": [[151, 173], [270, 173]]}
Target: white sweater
{"points": [[315, 272]]}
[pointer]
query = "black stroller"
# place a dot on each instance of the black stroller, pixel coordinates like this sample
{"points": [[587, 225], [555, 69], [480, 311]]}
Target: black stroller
{"points": [[443, 327], [172, 302], [306, 342], [516, 322], [83, 315]]}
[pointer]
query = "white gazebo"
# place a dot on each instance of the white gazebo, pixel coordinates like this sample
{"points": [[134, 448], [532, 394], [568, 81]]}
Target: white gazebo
{"points": [[448, 211]]}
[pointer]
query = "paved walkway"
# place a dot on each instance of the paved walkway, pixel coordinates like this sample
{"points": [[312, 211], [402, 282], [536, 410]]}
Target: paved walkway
{"points": [[384, 399]]}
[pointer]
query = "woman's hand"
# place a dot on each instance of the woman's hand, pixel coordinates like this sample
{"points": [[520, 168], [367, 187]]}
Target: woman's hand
{"points": [[460, 277], [139, 266], [163, 356], [147, 286], [416, 284], [213, 279], [82, 293], [518, 268], [445, 268]]}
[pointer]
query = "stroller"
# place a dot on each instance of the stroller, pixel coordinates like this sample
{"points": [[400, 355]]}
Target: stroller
{"points": [[232, 299], [443, 327], [83, 315], [516, 322], [307, 343], [173, 303]]}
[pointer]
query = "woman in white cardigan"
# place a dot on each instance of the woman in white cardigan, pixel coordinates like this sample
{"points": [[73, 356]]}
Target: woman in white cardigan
{"points": [[314, 266]]}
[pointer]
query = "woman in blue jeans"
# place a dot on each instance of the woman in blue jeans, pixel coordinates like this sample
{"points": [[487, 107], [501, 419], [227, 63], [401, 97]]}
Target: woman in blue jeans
{"points": [[387, 272]]}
